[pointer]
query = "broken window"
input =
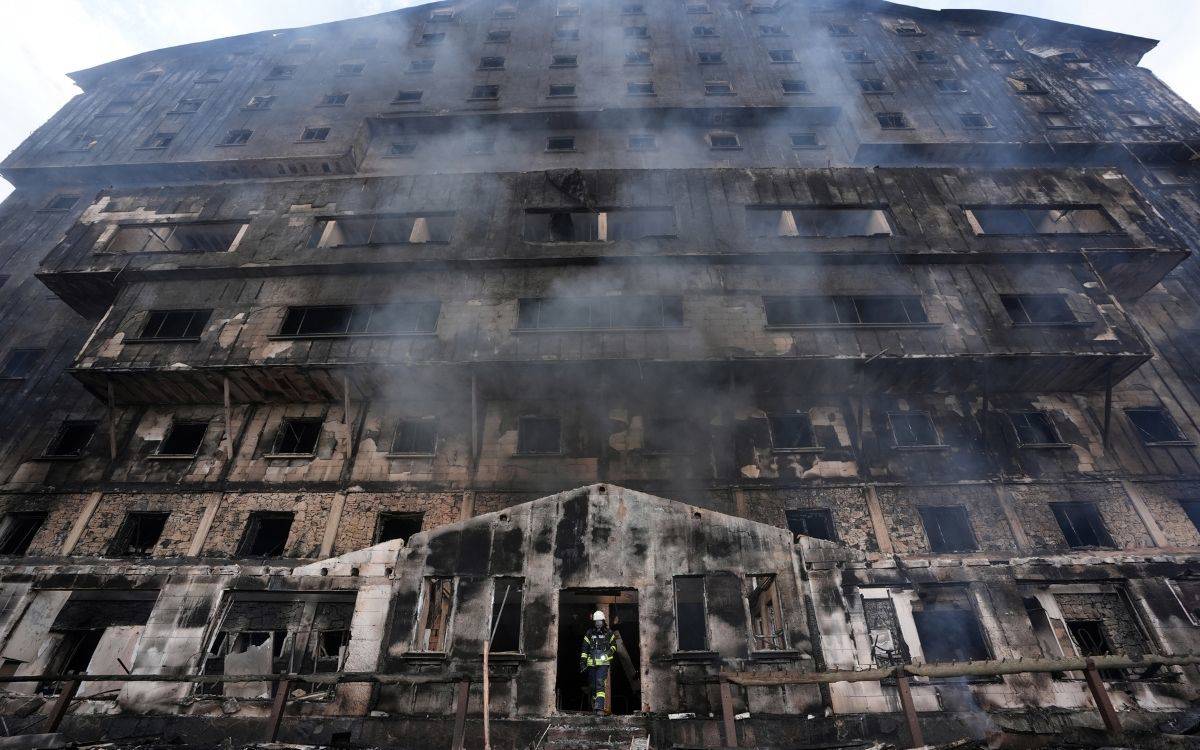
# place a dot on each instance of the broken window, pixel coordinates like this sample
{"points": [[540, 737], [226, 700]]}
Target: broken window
{"points": [[909, 29], [62, 202], [560, 143], [592, 313], [20, 363], [72, 654], [1057, 120], [71, 440], [950, 633], [1082, 525], [159, 140], [913, 429], [138, 534], [975, 120], [772, 221], [794, 86], [1022, 220], [506, 614], [562, 90], [314, 135], [564, 61], [1027, 309], [361, 320], [888, 648], [728, 141], [640, 88], [390, 526], [718, 88], [1091, 640], [766, 614], [814, 522], [599, 226], [491, 62], [667, 434], [1026, 85], [710, 58], [297, 437], [892, 120], [691, 621], [259, 102], [183, 439], [415, 437], [394, 229], [174, 325], [948, 529], [236, 137], [791, 432], [873, 85], [208, 237], [437, 605], [539, 435], [844, 311], [489, 91], [781, 55], [1192, 509], [1155, 426], [1034, 428], [436, 37], [266, 534], [17, 531]]}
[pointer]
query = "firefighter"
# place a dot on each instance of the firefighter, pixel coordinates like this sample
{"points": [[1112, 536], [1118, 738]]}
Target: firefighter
{"points": [[599, 648]]}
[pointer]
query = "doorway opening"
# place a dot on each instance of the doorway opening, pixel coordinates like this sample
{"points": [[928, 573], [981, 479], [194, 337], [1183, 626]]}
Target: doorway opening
{"points": [[575, 608]]}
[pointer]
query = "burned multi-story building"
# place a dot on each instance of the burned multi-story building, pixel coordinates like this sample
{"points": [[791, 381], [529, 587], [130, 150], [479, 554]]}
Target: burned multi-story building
{"points": [[800, 337]]}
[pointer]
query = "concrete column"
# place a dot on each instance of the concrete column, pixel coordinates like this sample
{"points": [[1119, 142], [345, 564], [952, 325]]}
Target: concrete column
{"points": [[467, 510], [81, 522], [1013, 519], [206, 522], [740, 507], [331, 524], [882, 537], [1157, 536]]}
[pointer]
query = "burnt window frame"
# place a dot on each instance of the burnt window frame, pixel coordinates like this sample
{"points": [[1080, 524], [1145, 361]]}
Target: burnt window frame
{"points": [[801, 140], [58, 202], [560, 144], [591, 232], [505, 603], [421, 65], [254, 526], [942, 85], [971, 216], [1033, 310], [382, 518], [214, 74], [200, 424], [159, 140], [893, 121], [1068, 524], [715, 57], [645, 142], [156, 320], [360, 318], [729, 141], [285, 432], [1015, 418], [15, 542], [982, 121], [929, 57], [705, 32], [189, 105], [420, 642], [379, 223], [778, 641], [1065, 121], [316, 134], [564, 61], [492, 62], [840, 30], [431, 38], [845, 311], [774, 429], [679, 442], [913, 414], [638, 57], [334, 99], [397, 150], [484, 92], [281, 72], [794, 86], [408, 96], [800, 518], [259, 103], [857, 56], [933, 525], [166, 231], [120, 546], [782, 56], [236, 137], [1191, 509], [719, 88], [524, 438], [705, 642], [497, 36], [20, 363], [986, 649], [1026, 85], [874, 86], [54, 448], [1179, 439], [423, 424], [640, 88]]}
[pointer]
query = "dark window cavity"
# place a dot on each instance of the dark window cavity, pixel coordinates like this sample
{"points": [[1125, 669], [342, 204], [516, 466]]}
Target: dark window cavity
{"points": [[390, 526], [806, 139], [1060, 120], [929, 56], [856, 56], [781, 55], [718, 88], [599, 226], [17, 531], [640, 88], [814, 522], [1026, 85], [491, 62], [560, 143], [562, 90], [266, 534], [840, 29], [393, 229], [913, 429], [213, 75], [62, 202], [599, 313], [1028, 309], [159, 140], [794, 86], [71, 440], [138, 534], [437, 606], [360, 320], [974, 120], [236, 137], [1034, 220], [1034, 428], [909, 29], [892, 120], [408, 96], [420, 66], [766, 614], [710, 58], [281, 71], [667, 435], [415, 437], [399, 150], [432, 38], [564, 61], [691, 622], [175, 325], [485, 92], [297, 437], [259, 102], [704, 31], [771, 30], [790, 432], [1192, 509], [844, 310], [314, 135], [873, 85], [948, 529], [335, 100], [187, 106], [183, 439], [950, 85], [1082, 525], [210, 237], [539, 435], [505, 627], [950, 634], [637, 32], [567, 35], [724, 141], [20, 363], [1155, 426]]}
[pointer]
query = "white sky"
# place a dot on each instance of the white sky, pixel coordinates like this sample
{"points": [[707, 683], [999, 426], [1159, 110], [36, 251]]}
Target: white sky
{"points": [[45, 39]]}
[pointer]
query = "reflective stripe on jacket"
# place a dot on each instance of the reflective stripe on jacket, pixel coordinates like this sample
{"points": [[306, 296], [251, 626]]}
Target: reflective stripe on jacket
{"points": [[599, 647]]}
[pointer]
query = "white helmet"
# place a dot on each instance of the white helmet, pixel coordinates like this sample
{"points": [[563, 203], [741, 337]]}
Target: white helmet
{"points": [[598, 616]]}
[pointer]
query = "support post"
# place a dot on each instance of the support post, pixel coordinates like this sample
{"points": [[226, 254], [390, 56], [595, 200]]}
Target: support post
{"points": [[460, 716], [487, 687], [1108, 385], [228, 419], [112, 423], [474, 418], [731, 738], [282, 688], [346, 415], [61, 704], [915, 737], [1100, 695]]}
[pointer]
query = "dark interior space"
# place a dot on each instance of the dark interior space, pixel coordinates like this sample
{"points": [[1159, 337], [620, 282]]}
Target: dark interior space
{"points": [[575, 617]]}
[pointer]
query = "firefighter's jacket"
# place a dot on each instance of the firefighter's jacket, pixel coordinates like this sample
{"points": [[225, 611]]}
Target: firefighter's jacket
{"points": [[599, 647]]}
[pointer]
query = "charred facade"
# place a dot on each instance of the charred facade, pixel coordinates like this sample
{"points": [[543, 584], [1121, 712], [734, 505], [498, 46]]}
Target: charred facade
{"points": [[799, 336]]}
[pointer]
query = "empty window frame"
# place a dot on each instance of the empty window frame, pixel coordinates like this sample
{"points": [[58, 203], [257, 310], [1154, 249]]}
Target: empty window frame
{"points": [[710, 57], [691, 620], [1058, 120], [386, 229], [337, 99], [71, 440], [1034, 429], [392, 526], [845, 310], [794, 86], [637, 57], [1191, 508], [561, 91], [498, 36], [17, 531], [259, 102], [62, 202], [187, 106], [599, 313], [437, 611], [297, 437], [485, 92], [314, 135], [639, 88], [642, 142], [1155, 426], [948, 529], [599, 226], [266, 534], [1082, 525], [975, 120], [1090, 639], [908, 29], [432, 37], [637, 32], [950, 634], [814, 522], [236, 137], [539, 435], [950, 85], [718, 88], [792, 432], [560, 143], [213, 75], [174, 325], [505, 624], [423, 65], [913, 429], [408, 96], [999, 56], [766, 614], [567, 34], [361, 320], [401, 150], [1102, 85], [892, 120], [183, 439], [414, 437], [159, 140], [856, 56], [1037, 220], [781, 55], [704, 31], [805, 139], [724, 141], [564, 61], [1140, 120], [20, 363], [118, 107], [445, 15], [1026, 85], [139, 533], [491, 62], [771, 30], [1037, 309], [873, 86], [207, 237], [281, 72], [929, 56]]}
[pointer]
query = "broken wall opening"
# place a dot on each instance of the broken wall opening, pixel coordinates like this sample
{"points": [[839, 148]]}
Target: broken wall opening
{"points": [[624, 688]]}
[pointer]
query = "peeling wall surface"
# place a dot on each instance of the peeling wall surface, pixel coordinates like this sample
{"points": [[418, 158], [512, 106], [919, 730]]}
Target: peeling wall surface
{"points": [[830, 334]]}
